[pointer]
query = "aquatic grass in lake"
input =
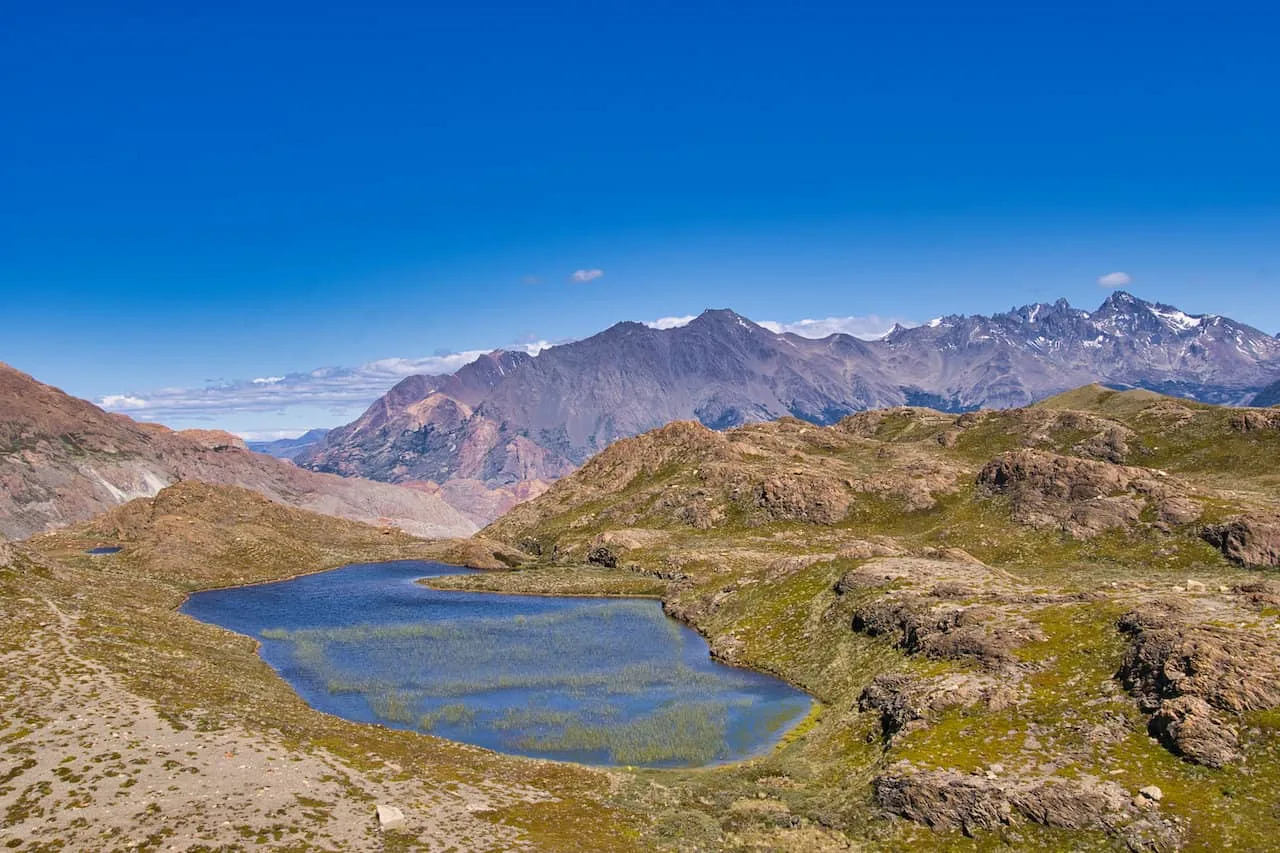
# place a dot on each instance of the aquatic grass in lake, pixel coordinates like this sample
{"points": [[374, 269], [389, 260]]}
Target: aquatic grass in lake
{"points": [[595, 680]]}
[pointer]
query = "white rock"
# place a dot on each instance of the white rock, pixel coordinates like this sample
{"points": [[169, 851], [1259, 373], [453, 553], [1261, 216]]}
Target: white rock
{"points": [[1151, 792], [1195, 586], [389, 817]]}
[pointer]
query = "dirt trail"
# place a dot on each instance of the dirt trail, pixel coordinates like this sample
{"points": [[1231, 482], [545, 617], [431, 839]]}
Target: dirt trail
{"points": [[87, 765]]}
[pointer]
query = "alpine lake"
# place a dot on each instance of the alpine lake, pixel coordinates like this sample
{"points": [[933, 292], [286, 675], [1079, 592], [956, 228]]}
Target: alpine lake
{"points": [[605, 681]]}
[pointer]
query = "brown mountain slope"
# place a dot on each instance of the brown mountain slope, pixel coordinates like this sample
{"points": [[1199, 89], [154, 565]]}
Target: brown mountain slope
{"points": [[63, 460]]}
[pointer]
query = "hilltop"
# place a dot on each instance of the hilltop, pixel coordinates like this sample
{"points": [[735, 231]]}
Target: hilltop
{"points": [[1017, 621]]}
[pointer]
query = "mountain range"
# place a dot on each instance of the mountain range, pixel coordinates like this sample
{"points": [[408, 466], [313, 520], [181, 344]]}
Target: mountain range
{"points": [[513, 422], [62, 460], [289, 448]]}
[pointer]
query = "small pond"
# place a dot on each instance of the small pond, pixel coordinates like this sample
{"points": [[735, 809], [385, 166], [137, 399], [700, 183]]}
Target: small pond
{"points": [[594, 680], [104, 550]]}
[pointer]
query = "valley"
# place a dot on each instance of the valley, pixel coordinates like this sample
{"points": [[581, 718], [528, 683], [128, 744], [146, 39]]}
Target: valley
{"points": [[1050, 627]]}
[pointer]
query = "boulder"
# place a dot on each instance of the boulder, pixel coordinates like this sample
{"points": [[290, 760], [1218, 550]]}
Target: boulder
{"points": [[602, 556], [389, 817], [1252, 540]]}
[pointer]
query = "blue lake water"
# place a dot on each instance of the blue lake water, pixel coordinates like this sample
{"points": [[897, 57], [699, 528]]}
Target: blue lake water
{"points": [[104, 550], [599, 681]]}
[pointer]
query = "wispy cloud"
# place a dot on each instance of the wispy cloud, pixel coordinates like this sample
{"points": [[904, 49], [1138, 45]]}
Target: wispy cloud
{"points": [[343, 391], [671, 322], [332, 395], [584, 276], [1115, 279], [868, 328]]}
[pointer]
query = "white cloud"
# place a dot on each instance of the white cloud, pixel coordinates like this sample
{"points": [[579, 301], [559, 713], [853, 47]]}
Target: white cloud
{"points": [[671, 322], [584, 276], [1115, 279], [868, 328], [117, 402], [343, 391], [269, 434]]}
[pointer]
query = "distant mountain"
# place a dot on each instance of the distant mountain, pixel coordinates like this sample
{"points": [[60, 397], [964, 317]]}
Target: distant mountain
{"points": [[289, 448], [63, 460], [510, 418], [1269, 396]]}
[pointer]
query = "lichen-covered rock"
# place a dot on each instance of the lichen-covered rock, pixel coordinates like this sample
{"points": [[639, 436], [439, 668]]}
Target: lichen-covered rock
{"points": [[1081, 497], [945, 799], [1251, 540], [943, 629], [602, 556], [1196, 730], [1196, 678], [905, 701], [803, 497], [1112, 445]]}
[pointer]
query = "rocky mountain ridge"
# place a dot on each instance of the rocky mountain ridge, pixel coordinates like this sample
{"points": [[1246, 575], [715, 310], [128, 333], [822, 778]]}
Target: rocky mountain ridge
{"points": [[511, 418], [64, 460]]}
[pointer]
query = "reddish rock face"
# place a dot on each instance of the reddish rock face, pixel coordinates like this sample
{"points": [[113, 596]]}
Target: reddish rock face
{"points": [[64, 460], [1251, 541]]}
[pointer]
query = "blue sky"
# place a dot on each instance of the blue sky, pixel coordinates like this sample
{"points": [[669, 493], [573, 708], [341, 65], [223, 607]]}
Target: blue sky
{"points": [[195, 193]]}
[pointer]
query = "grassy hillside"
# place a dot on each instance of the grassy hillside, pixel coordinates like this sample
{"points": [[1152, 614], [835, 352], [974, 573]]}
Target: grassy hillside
{"points": [[1015, 620], [169, 697]]}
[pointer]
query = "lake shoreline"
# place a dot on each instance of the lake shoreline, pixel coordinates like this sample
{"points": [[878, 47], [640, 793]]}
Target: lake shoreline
{"points": [[622, 692]]}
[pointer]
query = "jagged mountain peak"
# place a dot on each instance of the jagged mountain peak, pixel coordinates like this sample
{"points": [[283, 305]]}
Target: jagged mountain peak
{"points": [[548, 414]]}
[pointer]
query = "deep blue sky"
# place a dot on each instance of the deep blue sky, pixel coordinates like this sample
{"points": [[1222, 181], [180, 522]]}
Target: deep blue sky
{"points": [[232, 190]]}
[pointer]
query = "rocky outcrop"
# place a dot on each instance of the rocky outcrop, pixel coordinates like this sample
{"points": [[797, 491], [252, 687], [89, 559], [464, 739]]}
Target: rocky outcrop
{"points": [[800, 497], [948, 800], [942, 629], [213, 439], [1254, 420], [906, 701], [1083, 497], [1196, 678], [1252, 540]]}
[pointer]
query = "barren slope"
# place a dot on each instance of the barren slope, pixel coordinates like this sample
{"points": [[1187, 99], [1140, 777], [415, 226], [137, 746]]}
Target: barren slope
{"points": [[63, 460]]}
